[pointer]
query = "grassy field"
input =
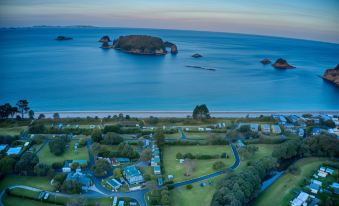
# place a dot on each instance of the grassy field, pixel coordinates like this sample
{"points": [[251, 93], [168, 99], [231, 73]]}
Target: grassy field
{"points": [[37, 182], [45, 156], [197, 196], [15, 201], [11, 130], [281, 192], [202, 167], [198, 135]]}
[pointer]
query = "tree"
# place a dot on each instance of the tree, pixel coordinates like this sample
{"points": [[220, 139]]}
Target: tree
{"points": [[201, 112], [126, 150], [31, 114], [101, 168], [178, 156], [112, 138], [41, 116], [56, 116], [13, 111], [71, 187], [159, 138], [189, 187], [26, 163], [22, 107], [41, 169], [117, 173], [7, 165], [80, 201], [58, 145], [146, 155], [189, 167], [218, 165], [96, 135], [5, 110]]}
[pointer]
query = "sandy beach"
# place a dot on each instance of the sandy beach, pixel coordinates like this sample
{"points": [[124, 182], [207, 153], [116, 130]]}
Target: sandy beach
{"points": [[179, 114]]}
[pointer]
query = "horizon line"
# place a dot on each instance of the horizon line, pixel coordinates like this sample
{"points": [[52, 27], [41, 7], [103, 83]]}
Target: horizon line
{"points": [[151, 28]]}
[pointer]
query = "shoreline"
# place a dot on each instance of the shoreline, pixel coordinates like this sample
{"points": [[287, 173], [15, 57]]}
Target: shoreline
{"points": [[178, 114]]}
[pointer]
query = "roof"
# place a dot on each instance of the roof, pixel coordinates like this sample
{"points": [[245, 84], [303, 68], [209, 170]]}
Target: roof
{"points": [[131, 171], [157, 169], [114, 183], [156, 159], [80, 161], [303, 196], [79, 177], [335, 185], [314, 186], [297, 202], [3, 147], [14, 150], [122, 159]]}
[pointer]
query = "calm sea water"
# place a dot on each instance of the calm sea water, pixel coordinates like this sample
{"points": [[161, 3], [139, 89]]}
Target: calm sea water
{"points": [[77, 75]]}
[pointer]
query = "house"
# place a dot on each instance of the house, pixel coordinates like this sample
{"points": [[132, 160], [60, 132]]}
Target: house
{"points": [[322, 173], [160, 181], [315, 131], [80, 177], [335, 186], [265, 128], [329, 171], [115, 184], [157, 170], [282, 120], [300, 199], [123, 160], [146, 142], [301, 132], [121, 203], [200, 129], [276, 129], [3, 147], [208, 129], [68, 163], [314, 188], [294, 118], [14, 150], [132, 175], [115, 201], [254, 127], [155, 161], [133, 203], [240, 143]]}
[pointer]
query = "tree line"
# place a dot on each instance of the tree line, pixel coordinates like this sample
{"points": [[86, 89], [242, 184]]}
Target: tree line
{"points": [[21, 107]]}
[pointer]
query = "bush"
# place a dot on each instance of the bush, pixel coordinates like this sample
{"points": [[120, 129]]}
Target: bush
{"points": [[219, 165], [189, 187], [57, 165]]}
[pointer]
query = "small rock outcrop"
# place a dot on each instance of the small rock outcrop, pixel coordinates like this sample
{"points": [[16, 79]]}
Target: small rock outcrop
{"points": [[173, 47], [332, 75], [105, 39], [265, 61], [196, 55], [62, 38], [105, 45], [282, 64]]}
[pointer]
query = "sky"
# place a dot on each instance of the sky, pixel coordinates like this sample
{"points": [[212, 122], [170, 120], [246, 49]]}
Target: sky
{"points": [[303, 19]]}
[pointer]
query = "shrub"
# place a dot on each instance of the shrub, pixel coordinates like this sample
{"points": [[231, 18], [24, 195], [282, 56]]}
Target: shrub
{"points": [[219, 165], [189, 187]]}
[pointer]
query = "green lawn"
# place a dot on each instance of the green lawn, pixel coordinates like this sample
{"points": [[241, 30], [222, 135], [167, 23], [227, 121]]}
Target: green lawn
{"points": [[173, 136], [45, 156], [202, 167], [197, 196], [15, 201], [38, 182], [197, 135], [12, 130], [281, 192]]}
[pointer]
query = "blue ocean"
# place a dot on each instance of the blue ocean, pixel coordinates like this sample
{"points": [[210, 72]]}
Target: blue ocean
{"points": [[77, 75]]}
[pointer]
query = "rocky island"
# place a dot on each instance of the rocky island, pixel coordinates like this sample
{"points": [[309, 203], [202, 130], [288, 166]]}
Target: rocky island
{"points": [[196, 55], [105, 40], [332, 75], [265, 61], [282, 64], [62, 38], [143, 45]]}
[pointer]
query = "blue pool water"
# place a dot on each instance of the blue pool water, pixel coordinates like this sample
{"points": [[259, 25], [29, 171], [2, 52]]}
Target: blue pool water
{"points": [[77, 75]]}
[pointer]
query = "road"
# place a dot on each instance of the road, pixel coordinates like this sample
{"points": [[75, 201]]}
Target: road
{"points": [[138, 195]]}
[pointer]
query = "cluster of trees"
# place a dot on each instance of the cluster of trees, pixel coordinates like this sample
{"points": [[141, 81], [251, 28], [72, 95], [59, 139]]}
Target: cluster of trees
{"points": [[40, 128], [201, 112], [247, 151], [160, 197], [200, 156], [101, 168], [7, 110], [218, 165], [124, 150], [214, 139], [241, 188], [110, 138], [24, 165], [57, 146]]}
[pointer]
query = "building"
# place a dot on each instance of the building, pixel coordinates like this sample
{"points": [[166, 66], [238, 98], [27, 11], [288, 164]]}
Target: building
{"points": [[276, 129], [155, 161], [300, 199], [335, 186], [265, 128], [68, 164], [123, 160], [314, 188], [115, 184], [132, 175], [3, 147], [14, 150], [315, 131], [301, 132], [80, 177], [254, 127], [157, 170], [282, 120]]}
